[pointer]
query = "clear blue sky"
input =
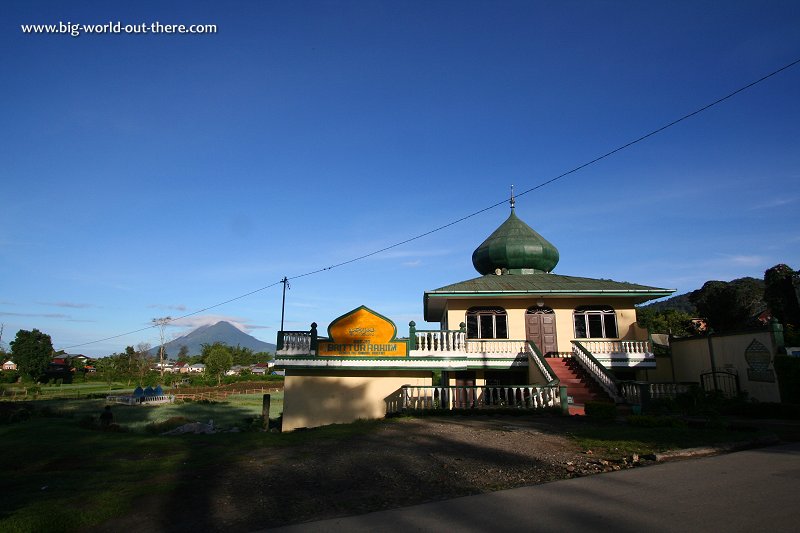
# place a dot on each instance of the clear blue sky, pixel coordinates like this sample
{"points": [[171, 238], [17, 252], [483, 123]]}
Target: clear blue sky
{"points": [[153, 175]]}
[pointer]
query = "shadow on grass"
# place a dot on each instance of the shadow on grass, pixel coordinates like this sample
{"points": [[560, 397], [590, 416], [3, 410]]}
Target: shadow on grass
{"points": [[68, 474], [253, 480]]}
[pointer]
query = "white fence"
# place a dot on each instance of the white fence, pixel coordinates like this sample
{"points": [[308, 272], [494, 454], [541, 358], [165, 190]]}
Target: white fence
{"points": [[487, 397]]}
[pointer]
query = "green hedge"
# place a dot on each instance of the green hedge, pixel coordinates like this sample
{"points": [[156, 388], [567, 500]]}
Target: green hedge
{"points": [[600, 410], [788, 370]]}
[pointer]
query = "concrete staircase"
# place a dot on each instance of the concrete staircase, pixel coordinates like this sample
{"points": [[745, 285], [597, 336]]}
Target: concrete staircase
{"points": [[580, 386]]}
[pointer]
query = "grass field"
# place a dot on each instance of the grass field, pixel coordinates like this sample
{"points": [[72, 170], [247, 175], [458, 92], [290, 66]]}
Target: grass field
{"points": [[67, 477], [62, 476], [237, 411]]}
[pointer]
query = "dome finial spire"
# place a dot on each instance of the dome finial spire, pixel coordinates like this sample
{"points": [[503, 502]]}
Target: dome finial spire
{"points": [[516, 248], [512, 196]]}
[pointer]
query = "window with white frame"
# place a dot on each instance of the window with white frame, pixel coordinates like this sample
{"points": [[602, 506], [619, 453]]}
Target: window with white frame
{"points": [[595, 322], [487, 323]]}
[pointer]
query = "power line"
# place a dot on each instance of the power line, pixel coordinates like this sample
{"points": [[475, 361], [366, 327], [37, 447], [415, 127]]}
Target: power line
{"points": [[473, 214], [567, 173], [174, 319]]}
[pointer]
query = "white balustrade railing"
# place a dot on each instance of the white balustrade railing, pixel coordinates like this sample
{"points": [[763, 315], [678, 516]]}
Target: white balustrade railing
{"points": [[597, 371], [296, 342], [635, 392], [504, 346], [668, 390], [456, 341], [602, 347], [543, 366], [631, 392], [441, 341], [487, 397]]}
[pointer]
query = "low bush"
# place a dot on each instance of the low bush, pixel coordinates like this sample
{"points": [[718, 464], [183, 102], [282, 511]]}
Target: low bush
{"points": [[11, 413], [651, 421], [601, 410], [785, 411]]}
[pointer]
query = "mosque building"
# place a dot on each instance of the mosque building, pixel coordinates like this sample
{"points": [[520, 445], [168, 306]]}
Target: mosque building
{"points": [[512, 336]]}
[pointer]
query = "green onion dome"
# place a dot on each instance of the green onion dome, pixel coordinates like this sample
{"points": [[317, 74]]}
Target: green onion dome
{"points": [[515, 248]]}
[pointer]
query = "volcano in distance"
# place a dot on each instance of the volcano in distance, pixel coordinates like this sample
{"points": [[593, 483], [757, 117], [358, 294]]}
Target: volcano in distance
{"points": [[222, 331]]}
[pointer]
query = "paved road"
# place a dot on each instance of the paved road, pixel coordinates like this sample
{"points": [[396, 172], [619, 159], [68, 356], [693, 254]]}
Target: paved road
{"points": [[755, 490]]}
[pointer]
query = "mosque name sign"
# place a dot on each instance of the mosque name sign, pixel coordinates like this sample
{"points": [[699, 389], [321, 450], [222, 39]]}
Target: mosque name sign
{"points": [[362, 333]]}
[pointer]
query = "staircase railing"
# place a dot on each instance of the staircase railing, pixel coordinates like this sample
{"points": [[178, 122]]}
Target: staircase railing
{"points": [[541, 362], [598, 372]]}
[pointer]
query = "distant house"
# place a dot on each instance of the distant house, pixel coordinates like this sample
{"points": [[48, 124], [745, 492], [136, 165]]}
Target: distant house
{"points": [[81, 359], [9, 365], [180, 368], [261, 369], [168, 367], [197, 368], [235, 370]]}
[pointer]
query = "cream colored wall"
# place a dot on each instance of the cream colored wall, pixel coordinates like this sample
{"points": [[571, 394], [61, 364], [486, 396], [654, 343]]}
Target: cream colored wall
{"points": [[662, 373], [312, 399], [480, 379], [563, 308], [691, 357]]}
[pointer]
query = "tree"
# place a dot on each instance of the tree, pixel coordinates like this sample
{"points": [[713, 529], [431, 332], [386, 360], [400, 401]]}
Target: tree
{"points": [[32, 351], [218, 359], [109, 367], [242, 355], [672, 321], [161, 323], [2, 348], [781, 294], [183, 353], [133, 363], [728, 306]]}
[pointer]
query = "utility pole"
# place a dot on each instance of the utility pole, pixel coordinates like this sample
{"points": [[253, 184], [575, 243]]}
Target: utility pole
{"points": [[161, 323], [285, 282]]}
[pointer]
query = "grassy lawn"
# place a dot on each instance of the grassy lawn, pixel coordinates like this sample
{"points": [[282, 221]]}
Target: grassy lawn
{"points": [[238, 410], [615, 441], [60, 476], [67, 477]]}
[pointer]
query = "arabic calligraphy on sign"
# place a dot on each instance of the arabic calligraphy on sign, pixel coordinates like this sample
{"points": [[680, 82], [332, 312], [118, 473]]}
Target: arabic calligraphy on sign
{"points": [[362, 333]]}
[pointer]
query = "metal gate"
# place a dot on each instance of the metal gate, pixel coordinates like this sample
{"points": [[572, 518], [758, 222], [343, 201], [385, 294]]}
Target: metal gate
{"points": [[723, 381]]}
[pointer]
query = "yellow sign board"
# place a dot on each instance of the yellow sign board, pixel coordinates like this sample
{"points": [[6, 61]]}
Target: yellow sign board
{"points": [[362, 333]]}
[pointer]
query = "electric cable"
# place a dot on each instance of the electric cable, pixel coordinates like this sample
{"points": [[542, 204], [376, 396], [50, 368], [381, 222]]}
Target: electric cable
{"points": [[473, 214]]}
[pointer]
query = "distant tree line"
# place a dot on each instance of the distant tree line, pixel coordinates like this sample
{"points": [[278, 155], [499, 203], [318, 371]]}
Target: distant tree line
{"points": [[731, 305], [33, 353]]}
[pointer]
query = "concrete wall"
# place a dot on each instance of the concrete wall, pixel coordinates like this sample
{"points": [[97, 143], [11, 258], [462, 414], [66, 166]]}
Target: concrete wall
{"points": [[563, 308], [691, 357], [312, 399]]}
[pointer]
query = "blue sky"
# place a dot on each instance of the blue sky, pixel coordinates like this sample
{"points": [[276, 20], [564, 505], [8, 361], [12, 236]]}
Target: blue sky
{"points": [[153, 175]]}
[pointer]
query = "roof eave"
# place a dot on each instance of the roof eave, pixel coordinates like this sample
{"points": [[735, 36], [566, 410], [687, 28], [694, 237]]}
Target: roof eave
{"points": [[656, 293], [434, 302]]}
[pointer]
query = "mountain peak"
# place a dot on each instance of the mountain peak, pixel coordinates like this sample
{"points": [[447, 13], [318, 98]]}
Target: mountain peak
{"points": [[223, 331]]}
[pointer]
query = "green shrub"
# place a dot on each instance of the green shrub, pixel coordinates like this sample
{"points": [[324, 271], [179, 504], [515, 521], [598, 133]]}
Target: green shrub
{"points": [[650, 421], [601, 410], [663, 406], [785, 411], [88, 422], [788, 371], [11, 413]]}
